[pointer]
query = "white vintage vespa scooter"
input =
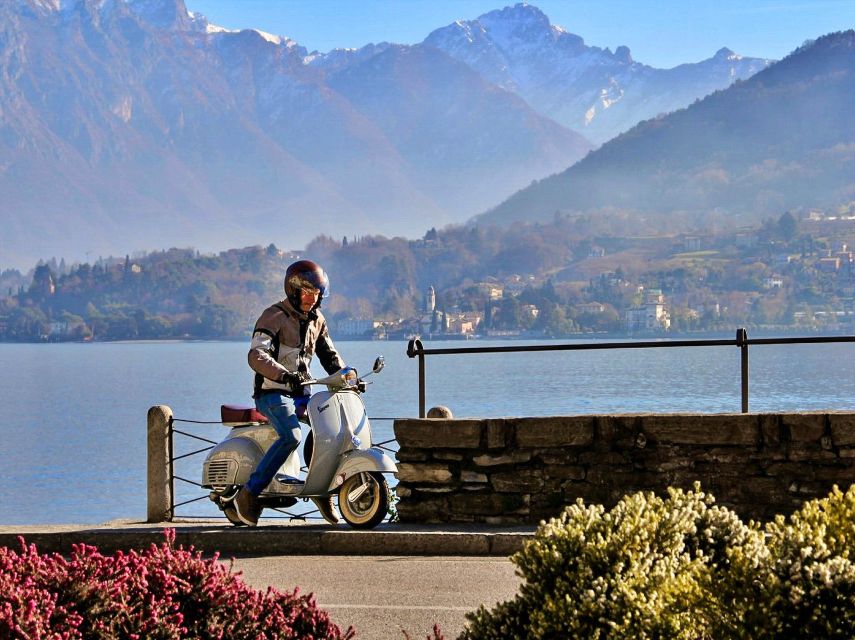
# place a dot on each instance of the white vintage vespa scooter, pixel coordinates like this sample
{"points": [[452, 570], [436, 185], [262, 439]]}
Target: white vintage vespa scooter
{"points": [[337, 451]]}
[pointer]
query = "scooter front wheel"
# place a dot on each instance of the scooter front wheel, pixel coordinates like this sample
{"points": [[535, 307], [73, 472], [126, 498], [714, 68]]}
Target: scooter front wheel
{"points": [[364, 500]]}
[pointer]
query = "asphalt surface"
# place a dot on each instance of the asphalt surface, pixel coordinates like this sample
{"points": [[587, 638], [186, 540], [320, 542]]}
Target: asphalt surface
{"points": [[383, 596]]}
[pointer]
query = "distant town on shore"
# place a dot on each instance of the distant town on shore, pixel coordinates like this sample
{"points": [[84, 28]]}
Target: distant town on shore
{"points": [[562, 279]]}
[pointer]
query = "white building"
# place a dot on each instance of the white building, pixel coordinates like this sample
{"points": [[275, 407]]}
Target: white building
{"points": [[651, 316]]}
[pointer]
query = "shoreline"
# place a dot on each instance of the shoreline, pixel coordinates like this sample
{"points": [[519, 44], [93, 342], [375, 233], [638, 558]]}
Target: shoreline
{"points": [[652, 335]]}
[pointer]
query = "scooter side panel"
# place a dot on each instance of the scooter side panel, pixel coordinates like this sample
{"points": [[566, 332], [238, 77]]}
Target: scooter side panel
{"points": [[231, 462], [354, 462], [264, 435]]}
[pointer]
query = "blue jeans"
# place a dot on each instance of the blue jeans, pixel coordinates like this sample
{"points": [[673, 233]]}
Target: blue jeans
{"points": [[280, 410]]}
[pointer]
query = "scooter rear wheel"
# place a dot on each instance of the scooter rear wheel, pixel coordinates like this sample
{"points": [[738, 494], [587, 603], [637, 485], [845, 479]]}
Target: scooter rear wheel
{"points": [[363, 500]]}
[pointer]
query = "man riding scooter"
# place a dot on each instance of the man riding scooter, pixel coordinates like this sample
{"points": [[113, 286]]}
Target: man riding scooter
{"points": [[284, 339]]}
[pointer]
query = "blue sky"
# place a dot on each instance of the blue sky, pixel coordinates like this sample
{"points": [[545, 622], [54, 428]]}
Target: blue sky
{"points": [[661, 33]]}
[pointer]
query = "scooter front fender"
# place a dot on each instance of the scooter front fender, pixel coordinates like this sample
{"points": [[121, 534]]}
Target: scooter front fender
{"points": [[359, 460]]}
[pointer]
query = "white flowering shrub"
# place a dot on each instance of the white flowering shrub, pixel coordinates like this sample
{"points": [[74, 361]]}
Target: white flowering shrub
{"points": [[682, 567], [811, 577]]}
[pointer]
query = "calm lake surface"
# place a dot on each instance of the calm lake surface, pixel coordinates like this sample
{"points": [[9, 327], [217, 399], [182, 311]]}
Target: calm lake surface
{"points": [[73, 443]]}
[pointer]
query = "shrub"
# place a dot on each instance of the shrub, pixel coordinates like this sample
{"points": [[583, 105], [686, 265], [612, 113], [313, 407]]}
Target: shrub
{"points": [[682, 567], [810, 580], [161, 592]]}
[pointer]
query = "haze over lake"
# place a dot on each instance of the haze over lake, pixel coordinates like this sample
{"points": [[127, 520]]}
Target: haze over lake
{"points": [[73, 441]]}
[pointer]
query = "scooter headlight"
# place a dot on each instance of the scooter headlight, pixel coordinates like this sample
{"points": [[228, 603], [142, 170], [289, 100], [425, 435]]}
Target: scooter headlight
{"points": [[349, 377]]}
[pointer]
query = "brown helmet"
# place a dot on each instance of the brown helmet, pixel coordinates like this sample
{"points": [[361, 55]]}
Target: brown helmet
{"points": [[305, 274]]}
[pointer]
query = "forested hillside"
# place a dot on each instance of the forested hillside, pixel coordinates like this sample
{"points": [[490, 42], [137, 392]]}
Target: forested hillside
{"points": [[558, 278]]}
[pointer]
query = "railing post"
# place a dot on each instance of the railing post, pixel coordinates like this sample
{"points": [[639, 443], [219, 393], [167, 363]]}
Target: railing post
{"points": [[742, 343], [160, 498], [414, 348]]}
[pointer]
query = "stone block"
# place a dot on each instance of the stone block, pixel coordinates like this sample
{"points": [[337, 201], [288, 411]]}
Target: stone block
{"points": [[521, 481], [616, 430], [448, 455], [427, 473], [566, 472], [556, 456], [770, 490], [734, 469], [841, 475], [487, 460], [499, 433], [717, 429], [788, 470], [589, 494], [613, 458], [487, 504], [558, 431], [812, 453], [515, 457], [412, 510], [412, 455], [472, 476], [429, 434], [842, 429], [773, 435], [804, 427]]}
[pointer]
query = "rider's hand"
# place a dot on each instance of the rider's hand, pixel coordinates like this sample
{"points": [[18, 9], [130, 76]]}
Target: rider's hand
{"points": [[350, 376], [295, 380]]}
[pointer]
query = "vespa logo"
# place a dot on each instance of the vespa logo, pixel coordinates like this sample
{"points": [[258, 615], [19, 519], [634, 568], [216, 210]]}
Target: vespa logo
{"points": [[324, 408]]}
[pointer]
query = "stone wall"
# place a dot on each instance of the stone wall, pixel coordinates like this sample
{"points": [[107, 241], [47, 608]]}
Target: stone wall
{"points": [[522, 470]]}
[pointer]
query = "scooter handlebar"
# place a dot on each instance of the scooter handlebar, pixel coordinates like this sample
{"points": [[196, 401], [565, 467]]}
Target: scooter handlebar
{"points": [[340, 379]]}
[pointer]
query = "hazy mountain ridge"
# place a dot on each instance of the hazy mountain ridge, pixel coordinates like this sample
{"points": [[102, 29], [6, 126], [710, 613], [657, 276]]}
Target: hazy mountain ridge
{"points": [[783, 139], [132, 124], [128, 125]]}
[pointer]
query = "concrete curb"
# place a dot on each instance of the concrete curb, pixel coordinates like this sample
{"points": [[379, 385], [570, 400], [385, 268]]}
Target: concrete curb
{"points": [[279, 539]]}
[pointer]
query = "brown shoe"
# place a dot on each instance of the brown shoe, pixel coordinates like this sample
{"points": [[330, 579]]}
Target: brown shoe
{"points": [[325, 506], [247, 508]]}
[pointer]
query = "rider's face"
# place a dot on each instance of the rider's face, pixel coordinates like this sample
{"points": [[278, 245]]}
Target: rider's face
{"points": [[308, 298]]}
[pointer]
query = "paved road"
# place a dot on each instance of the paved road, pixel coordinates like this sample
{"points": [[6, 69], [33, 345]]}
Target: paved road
{"points": [[381, 596]]}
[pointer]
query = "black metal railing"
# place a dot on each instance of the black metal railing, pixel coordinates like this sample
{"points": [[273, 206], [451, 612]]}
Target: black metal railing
{"points": [[389, 446], [415, 349]]}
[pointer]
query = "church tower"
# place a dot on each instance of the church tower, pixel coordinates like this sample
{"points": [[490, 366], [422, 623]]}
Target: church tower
{"points": [[430, 300]]}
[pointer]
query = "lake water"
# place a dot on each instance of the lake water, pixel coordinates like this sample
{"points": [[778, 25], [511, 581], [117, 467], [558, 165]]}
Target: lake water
{"points": [[73, 433]]}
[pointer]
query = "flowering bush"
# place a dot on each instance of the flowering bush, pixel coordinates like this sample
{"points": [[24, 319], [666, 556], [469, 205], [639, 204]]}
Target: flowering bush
{"points": [[682, 567], [161, 592], [810, 579]]}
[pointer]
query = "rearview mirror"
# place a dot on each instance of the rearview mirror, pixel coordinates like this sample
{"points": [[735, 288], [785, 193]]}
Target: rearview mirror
{"points": [[379, 363]]}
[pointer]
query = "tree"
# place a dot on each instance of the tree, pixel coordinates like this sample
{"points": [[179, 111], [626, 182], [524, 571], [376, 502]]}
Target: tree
{"points": [[787, 226]]}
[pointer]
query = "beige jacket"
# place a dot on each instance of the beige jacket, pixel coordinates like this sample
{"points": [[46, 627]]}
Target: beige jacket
{"points": [[284, 341]]}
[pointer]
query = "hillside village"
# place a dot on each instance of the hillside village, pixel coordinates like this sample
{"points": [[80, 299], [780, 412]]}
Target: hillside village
{"points": [[791, 274]]}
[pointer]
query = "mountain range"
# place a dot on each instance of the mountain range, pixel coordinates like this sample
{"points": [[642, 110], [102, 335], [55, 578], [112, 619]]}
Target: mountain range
{"points": [[588, 89], [134, 124], [780, 141]]}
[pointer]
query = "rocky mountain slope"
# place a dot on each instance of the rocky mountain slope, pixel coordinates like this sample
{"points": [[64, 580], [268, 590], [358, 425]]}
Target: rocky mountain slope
{"points": [[781, 140], [594, 91]]}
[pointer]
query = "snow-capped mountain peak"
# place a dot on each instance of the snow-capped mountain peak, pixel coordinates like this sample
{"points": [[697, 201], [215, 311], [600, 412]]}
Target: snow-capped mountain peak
{"points": [[587, 88], [726, 54]]}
